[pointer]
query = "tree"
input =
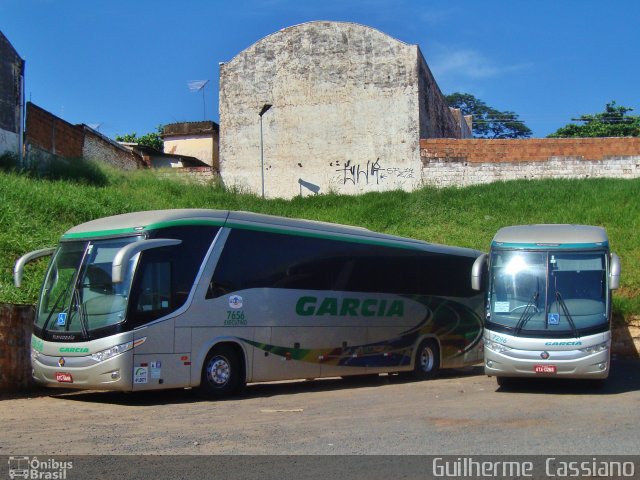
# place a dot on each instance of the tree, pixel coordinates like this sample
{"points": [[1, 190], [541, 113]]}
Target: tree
{"points": [[487, 121], [152, 139], [613, 122]]}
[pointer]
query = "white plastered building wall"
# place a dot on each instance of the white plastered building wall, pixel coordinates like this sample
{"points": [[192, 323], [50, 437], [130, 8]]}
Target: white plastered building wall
{"points": [[345, 112]]}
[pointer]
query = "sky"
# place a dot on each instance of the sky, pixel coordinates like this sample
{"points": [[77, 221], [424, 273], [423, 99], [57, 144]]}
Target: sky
{"points": [[123, 66]]}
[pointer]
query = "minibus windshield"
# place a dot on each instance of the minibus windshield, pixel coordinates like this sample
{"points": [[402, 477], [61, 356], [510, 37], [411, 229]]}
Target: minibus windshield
{"points": [[548, 293]]}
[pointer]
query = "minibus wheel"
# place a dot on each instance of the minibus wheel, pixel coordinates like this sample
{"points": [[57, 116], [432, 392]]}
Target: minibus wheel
{"points": [[503, 381], [427, 361], [221, 372]]}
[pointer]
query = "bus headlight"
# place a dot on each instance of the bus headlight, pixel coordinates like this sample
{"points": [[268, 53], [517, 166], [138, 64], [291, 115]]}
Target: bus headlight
{"points": [[111, 352], [596, 348], [34, 354], [496, 347]]}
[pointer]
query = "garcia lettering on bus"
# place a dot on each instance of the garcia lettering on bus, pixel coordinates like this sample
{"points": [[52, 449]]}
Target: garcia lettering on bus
{"points": [[74, 350], [352, 307]]}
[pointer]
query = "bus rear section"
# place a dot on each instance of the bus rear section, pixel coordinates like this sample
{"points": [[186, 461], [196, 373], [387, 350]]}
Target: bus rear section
{"points": [[548, 302]]}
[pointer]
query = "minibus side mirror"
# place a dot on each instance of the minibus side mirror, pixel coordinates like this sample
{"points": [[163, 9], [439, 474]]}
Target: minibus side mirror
{"points": [[126, 253], [18, 269], [614, 272], [476, 272]]}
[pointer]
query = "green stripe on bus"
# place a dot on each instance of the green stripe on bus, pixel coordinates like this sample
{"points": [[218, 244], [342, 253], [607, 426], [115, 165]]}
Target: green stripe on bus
{"points": [[550, 246], [100, 233], [138, 230]]}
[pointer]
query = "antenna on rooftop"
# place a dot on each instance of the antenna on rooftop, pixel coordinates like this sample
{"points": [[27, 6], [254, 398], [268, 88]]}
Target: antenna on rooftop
{"points": [[197, 86]]}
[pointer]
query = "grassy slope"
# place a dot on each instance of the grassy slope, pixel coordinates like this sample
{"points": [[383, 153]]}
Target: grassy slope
{"points": [[34, 213]]}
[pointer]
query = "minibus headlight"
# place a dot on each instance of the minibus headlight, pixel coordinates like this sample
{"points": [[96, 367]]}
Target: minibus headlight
{"points": [[111, 352], [496, 347], [596, 348], [34, 354]]}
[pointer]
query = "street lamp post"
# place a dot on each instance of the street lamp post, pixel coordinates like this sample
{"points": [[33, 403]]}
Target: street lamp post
{"points": [[264, 110]]}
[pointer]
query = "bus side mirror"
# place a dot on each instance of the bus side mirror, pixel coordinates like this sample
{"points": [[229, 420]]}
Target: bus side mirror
{"points": [[614, 272], [18, 270], [126, 253], [477, 270]]}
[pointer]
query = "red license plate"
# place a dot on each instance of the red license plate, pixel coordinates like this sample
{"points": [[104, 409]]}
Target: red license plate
{"points": [[545, 369], [64, 377]]}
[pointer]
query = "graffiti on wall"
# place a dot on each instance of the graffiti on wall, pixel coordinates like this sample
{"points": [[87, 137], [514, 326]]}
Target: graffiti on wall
{"points": [[356, 173], [371, 173], [401, 172]]}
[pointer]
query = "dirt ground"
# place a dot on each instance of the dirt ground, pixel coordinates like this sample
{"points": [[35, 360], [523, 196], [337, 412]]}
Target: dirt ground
{"points": [[461, 412]]}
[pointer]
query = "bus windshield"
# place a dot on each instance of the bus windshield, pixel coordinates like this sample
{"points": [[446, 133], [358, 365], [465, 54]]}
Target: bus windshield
{"points": [[78, 295], [548, 293]]}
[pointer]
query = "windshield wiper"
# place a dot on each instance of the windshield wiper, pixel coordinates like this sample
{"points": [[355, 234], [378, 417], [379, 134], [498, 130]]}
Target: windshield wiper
{"points": [[565, 310], [55, 305], [528, 312], [81, 312]]}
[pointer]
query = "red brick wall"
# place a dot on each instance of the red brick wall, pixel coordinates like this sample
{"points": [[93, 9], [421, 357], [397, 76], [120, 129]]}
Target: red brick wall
{"points": [[16, 325], [527, 150], [52, 134]]}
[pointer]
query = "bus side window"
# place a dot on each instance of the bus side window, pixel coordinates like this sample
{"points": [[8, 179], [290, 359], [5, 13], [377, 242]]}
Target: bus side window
{"points": [[155, 287], [252, 259]]}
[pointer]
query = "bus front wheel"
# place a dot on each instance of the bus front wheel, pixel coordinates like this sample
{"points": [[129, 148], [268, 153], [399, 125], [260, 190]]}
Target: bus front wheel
{"points": [[221, 372], [503, 381], [427, 363]]}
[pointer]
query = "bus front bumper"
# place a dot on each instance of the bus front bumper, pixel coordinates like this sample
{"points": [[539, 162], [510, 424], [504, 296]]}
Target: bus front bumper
{"points": [[592, 365], [78, 372]]}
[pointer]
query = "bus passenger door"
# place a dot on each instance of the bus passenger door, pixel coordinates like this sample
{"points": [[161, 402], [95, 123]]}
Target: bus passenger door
{"points": [[154, 363], [261, 366]]}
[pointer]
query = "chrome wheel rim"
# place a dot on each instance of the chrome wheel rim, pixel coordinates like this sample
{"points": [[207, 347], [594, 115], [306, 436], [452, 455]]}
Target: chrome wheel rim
{"points": [[427, 359], [218, 371]]}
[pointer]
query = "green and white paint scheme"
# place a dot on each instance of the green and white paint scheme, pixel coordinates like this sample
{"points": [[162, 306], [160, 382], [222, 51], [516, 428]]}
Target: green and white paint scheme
{"points": [[548, 302], [215, 299]]}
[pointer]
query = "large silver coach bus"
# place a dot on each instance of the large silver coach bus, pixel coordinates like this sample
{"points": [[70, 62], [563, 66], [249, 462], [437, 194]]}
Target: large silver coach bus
{"points": [[215, 299], [548, 302]]}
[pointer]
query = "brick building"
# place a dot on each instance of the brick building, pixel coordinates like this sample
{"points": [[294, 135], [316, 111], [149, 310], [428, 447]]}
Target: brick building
{"points": [[47, 134], [193, 139], [103, 149]]}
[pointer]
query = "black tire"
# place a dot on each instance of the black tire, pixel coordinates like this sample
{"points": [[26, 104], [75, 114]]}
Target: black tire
{"points": [[597, 383], [221, 373], [503, 381], [427, 361]]}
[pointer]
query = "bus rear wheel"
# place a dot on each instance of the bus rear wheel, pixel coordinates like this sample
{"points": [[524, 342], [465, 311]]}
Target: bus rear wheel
{"points": [[221, 372], [427, 362]]}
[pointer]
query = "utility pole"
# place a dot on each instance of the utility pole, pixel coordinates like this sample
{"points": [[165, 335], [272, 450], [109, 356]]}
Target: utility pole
{"points": [[264, 110]]}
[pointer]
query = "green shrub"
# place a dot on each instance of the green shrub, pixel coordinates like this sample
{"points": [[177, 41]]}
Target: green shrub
{"points": [[76, 170]]}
